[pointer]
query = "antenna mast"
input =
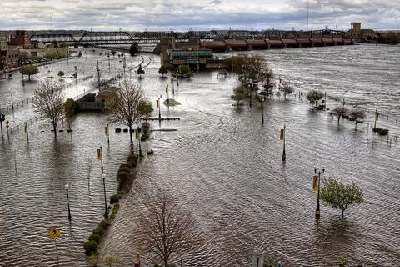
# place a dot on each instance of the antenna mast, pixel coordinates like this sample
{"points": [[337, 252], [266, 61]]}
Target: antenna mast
{"points": [[307, 13]]}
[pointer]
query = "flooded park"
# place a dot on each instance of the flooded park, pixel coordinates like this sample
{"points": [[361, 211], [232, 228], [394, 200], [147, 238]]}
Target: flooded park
{"points": [[220, 164]]}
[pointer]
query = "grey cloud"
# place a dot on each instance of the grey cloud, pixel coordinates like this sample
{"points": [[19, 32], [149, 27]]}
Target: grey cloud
{"points": [[203, 14]]}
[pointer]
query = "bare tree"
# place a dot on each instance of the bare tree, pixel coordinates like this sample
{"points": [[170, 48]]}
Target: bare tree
{"points": [[339, 112], [48, 102], [357, 115], [267, 77], [167, 230], [286, 89], [124, 105]]}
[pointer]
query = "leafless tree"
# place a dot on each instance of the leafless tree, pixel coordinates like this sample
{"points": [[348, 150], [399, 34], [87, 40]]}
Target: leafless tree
{"points": [[124, 105], [48, 102], [267, 77], [357, 115], [286, 89], [339, 112], [167, 230]]}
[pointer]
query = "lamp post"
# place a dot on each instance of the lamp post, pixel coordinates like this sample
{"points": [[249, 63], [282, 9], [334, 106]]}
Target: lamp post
{"points": [[69, 211], [2, 118], [109, 65], [262, 109], [103, 176], [98, 75], [283, 137], [159, 107], [318, 172], [107, 133]]}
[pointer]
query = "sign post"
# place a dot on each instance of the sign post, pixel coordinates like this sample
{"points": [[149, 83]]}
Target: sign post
{"points": [[55, 233]]}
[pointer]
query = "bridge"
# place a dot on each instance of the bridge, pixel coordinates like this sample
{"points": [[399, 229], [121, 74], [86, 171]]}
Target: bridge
{"points": [[90, 38]]}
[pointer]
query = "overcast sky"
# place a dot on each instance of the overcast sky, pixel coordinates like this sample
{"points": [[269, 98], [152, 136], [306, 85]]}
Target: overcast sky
{"points": [[197, 14]]}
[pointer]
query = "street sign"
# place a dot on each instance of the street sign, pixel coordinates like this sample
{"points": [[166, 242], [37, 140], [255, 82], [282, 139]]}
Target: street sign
{"points": [[54, 233]]}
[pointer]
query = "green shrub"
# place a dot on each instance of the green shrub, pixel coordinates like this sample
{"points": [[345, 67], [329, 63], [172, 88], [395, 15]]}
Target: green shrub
{"points": [[114, 199], [122, 176], [115, 208], [93, 260], [132, 160], [94, 237], [114, 212], [381, 131], [104, 223], [90, 247], [99, 230]]}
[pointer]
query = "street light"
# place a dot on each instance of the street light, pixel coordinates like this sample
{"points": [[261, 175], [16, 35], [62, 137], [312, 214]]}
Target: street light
{"points": [[159, 107], [262, 99], [107, 133], [283, 137], [98, 75], [103, 176], [318, 172], [69, 211]]}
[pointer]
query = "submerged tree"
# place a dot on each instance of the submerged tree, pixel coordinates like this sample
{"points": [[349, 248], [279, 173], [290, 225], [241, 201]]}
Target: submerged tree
{"points": [[166, 230], [28, 70], [140, 70], [267, 79], [238, 95], [286, 89], [145, 108], [163, 70], [339, 195], [339, 112], [124, 104], [133, 49], [357, 115], [48, 102], [314, 96]]}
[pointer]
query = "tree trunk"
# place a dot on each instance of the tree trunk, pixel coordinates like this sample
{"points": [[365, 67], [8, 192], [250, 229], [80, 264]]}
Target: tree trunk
{"points": [[131, 139], [29, 77], [165, 262], [338, 119], [55, 129], [342, 213]]}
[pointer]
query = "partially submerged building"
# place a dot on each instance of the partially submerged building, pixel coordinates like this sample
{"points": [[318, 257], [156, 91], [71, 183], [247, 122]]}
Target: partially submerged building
{"points": [[189, 53]]}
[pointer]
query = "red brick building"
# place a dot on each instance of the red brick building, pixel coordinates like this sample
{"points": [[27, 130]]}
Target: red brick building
{"points": [[20, 39], [10, 58]]}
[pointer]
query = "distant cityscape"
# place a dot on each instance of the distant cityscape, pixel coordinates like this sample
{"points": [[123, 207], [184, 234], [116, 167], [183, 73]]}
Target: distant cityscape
{"points": [[22, 47]]}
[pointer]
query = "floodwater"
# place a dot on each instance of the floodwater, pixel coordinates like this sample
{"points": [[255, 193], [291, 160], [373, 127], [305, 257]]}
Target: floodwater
{"points": [[223, 166]]}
